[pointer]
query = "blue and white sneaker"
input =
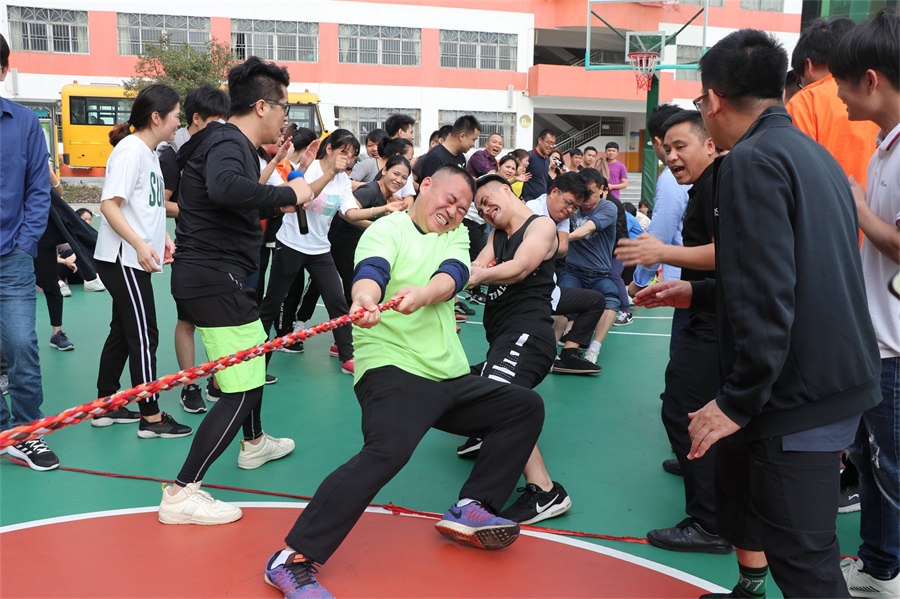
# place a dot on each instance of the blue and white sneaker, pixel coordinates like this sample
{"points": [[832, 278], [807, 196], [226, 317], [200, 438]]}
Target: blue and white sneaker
{"points": [[295, 577], [475, 525]]}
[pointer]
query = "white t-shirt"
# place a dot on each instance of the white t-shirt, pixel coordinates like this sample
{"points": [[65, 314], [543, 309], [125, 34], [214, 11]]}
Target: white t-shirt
{"points": [[133, 173], [883, 197], [408, 190], [539, 206], [316, 241]]}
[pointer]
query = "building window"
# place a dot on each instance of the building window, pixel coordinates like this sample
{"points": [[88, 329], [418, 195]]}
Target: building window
{"points": [[503, 123], [137, 31], [478, 50], [687, 55], [286, 41], [703, 2], [612, 126], [361, 120], [372, 44], [768, 5], [48, 30]]}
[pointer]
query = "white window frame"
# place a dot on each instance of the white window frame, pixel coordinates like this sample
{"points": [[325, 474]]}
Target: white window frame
{"points": [[500, 122], [51, 30], [765, 5], [136, 31], [284, 41], [363, 119], [377, 44], [479, 50]]}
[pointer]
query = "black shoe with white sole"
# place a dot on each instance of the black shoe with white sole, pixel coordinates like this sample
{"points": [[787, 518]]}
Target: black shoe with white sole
{"points": [[118, 416], [166, 428], [469, 449], [192, 399], [535, 504], [36, 454]]}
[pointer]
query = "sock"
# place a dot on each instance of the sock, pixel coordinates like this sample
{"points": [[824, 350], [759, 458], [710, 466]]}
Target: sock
{"points": [[594, 346], [752, 581], [464, 502], [280, 559]]}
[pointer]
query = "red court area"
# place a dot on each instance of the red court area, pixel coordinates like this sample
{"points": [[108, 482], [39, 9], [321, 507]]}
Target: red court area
{"points": [[386, 555]]}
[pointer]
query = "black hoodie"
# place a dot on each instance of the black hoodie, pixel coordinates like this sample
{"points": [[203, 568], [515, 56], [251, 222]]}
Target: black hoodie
{"points": [[219, 199]]}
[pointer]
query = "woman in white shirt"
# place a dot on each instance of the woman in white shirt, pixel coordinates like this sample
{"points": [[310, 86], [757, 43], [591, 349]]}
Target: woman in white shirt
{"points": [[133, 243], [295, 251]]}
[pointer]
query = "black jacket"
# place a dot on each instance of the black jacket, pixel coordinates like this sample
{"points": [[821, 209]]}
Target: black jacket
{"points": [[219, 200], [80, 236], [797, 345]]}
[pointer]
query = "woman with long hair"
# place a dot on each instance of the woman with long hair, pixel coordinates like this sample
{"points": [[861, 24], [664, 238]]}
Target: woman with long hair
{"points": [[132, 244], [373, 201], [295, 251], [556, 167]]}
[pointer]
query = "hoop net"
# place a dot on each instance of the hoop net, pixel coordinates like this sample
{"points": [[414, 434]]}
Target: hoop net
{"points": [[644, 64]]}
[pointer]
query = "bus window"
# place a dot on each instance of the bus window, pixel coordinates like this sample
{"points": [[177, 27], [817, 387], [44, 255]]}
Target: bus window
{"points": [[99, 111], [304, 115]]}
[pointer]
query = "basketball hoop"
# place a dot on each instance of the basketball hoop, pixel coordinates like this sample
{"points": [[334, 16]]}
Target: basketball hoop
{"points": [[644, 64]]}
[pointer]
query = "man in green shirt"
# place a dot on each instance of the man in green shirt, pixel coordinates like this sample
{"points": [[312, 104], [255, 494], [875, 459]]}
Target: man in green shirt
{"points": [[412, 375]]}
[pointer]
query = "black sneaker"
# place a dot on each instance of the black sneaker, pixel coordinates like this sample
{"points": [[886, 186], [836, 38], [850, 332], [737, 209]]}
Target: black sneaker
{"points": [[848, 501], [213, 393], [166, 428], [535, 504], [478, 298], [572, 363], [36, 454], [293, 348], [192, 399], [469, 449], [461, 308], [271, 379], [118, 416], [672, 467]]}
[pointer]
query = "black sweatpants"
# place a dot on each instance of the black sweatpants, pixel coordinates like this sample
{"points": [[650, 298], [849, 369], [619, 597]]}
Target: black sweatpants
{"points": [[587, 305], [398, 408], [289, 264], [133, 335], [692, 381], [784, 503], [343, 251]]}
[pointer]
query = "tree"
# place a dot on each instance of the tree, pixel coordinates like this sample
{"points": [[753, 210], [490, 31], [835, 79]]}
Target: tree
{"points": [[181, 66]]}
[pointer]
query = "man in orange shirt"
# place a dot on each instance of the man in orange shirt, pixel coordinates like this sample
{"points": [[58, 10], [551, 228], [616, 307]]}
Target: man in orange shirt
{"points": [[816, 108]]}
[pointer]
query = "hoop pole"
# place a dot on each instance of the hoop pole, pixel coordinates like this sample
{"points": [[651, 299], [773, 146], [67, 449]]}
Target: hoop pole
{"points": [[649, 170]]}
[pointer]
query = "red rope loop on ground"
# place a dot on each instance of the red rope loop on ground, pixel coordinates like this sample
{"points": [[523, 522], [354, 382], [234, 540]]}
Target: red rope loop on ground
{"points": [[48, 424]]}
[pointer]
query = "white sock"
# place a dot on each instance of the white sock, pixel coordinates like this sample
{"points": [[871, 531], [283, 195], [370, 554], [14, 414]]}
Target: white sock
{"points": [[280, 559], [464, 502], [594, 346]]}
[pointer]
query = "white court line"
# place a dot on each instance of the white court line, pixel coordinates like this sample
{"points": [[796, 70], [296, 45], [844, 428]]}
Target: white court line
{"points": [[625, 557], [640, 334], [652, 317]]}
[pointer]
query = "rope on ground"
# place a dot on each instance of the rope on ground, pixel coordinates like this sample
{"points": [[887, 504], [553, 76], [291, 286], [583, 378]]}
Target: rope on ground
{"points": [[49, 424]]}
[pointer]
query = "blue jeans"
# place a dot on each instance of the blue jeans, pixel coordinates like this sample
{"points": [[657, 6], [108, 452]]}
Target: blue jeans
{"points": [[875, 453], [602, 283], [18, 340]]}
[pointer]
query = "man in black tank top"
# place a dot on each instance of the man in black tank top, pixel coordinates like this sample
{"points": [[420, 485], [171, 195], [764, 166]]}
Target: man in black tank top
{"points": [[517, 266]]}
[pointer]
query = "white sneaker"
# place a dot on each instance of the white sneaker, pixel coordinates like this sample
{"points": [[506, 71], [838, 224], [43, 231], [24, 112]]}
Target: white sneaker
{"points": [[193, 506], [268, 449], [863, 584], [95, 285], [592, 356], [64, 288]]}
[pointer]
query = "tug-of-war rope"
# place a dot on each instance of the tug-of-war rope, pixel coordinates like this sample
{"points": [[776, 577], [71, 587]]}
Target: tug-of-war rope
{"points": [[48, 424]]}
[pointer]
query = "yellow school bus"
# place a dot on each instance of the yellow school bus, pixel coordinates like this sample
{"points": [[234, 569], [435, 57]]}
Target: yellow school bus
{"points": [[90, 111]]}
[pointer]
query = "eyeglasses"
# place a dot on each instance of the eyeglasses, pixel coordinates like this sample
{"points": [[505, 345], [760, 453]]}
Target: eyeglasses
{"points": [[696, 101], [286, 107]]}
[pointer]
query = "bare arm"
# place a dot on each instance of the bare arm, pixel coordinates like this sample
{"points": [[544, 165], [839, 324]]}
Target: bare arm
{"points": [[882, 235], [583, 231], [111, 208], [537, 245]]}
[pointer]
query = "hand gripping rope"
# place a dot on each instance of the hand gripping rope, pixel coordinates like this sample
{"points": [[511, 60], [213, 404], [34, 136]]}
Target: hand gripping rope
{"points": [[33, 430]]}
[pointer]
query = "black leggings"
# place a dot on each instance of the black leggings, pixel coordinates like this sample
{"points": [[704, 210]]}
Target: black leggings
{"points": [[133, 335], [46, 277], [587, 305], [288, 265], [217, 430]]}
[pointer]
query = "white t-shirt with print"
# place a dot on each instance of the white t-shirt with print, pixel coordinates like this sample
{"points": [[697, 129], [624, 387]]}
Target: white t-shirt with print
{"points": [[316, 241], [133, 174]]}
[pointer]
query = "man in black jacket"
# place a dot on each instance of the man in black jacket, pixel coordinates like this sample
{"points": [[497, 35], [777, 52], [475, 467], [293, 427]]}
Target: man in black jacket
{"points": [[799, 358], [219, 236]]}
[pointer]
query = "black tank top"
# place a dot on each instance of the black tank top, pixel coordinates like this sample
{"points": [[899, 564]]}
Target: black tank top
{"points": [[522, 307]]}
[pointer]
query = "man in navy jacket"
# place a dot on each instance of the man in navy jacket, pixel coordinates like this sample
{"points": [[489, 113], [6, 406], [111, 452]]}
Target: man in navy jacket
{"points": [[799, 358]]}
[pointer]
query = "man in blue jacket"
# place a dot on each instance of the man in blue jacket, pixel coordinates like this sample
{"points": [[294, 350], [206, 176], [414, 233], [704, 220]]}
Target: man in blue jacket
{"points": [[24, 206], [799, 359]]}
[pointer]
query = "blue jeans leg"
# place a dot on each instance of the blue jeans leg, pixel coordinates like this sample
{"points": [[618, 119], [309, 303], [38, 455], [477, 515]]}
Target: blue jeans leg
{"points": [[18, 340], [875, 453]]}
